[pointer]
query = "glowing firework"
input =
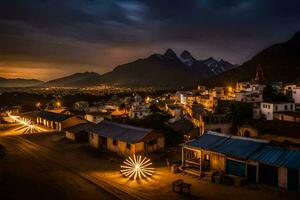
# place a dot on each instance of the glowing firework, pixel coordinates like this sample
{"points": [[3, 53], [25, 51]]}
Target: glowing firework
{"points": [[137, 167]]}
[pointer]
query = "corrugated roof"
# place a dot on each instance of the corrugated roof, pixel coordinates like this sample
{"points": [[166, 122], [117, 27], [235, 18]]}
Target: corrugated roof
{"points": [[53, 116], [122, 132], [79, 127], [239, 147], [232, 146], [277, 156], [207, 141]]}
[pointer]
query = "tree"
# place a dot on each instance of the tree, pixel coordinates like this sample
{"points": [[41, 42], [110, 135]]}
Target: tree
{"points": [[240, 112]]}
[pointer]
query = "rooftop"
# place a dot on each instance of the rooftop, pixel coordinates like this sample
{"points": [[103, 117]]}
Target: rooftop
{"points": [[53, 116], [233, 146], [122, 132]]}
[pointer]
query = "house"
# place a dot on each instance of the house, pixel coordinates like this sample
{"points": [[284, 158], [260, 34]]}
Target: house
{"points": [[268, 108], [139, 110], [291, 116], [239, 158], [249, 97], [78, 133], [214, 152], [124, 139], [57, 121], [296, 94], [173, 110], [273, 130], [288, 88], [183, 127], [96, 117]]}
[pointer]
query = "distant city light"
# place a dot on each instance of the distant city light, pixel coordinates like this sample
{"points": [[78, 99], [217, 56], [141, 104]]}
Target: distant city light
{"points": [[137, 168]]}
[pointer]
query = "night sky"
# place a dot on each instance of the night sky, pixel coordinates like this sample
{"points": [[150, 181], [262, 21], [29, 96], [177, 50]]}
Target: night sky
{"points": [[46, 39]]}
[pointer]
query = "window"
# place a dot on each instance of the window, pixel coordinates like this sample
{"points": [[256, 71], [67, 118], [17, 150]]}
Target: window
{"points": [[128, 146], [115, 142], [285, 107], [292, 107], [276, 108], [206, 157]]}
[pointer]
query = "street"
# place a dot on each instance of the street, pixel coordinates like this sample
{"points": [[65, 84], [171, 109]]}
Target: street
{"points": [[45, 166]]}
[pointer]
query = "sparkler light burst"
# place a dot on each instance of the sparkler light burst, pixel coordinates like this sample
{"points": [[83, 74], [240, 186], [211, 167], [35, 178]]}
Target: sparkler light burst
{"points": [[137, 168]]}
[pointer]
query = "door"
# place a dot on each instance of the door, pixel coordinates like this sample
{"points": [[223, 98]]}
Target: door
{"points": [[293, 179], [103, 142], [235, 168], [268, 174], [251, 173]]}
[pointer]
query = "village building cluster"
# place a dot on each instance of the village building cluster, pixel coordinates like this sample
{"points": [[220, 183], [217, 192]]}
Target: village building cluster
{"points": [[217, 139]]}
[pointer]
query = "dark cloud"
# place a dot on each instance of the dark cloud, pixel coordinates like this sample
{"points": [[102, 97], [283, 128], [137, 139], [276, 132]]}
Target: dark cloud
{"points": [[99, 34]]}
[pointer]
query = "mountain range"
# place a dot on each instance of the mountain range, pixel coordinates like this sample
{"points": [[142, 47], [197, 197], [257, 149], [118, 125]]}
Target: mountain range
{"points": [[166, 69], [280, 62], [19, 82]]}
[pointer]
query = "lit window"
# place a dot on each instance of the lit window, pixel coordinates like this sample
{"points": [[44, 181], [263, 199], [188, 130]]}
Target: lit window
{"points": [[206, 157]]}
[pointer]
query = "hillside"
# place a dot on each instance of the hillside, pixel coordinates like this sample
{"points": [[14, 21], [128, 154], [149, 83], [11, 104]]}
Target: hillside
{"points": [[280, 62], [75, 80], [166, 69], [4, 82]]}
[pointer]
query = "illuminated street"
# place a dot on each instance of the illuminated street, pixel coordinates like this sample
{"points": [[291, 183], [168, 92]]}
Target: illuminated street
{"points": [[149, 100], [68, 162]]}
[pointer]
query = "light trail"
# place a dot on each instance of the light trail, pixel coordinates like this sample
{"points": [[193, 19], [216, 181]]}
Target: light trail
{"points": [[31, 128]]}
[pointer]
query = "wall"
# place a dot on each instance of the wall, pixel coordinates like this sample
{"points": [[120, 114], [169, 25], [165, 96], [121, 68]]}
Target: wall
{"points": [[94, 140], [70, 136], [282, 177], [217, 162], [225, 127], [267, 109], [243, 130]]}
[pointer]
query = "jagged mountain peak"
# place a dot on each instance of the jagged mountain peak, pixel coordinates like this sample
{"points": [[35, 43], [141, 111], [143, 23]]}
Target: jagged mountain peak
{"points": [[186, 55], [187, 58], [170, 54]]}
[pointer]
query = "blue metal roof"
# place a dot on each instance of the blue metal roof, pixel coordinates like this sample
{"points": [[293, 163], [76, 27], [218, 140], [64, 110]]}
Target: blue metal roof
{"points": [[239, 147], [207, 141], [278, 157], [53, 116], [127, 133], [232, 146]]}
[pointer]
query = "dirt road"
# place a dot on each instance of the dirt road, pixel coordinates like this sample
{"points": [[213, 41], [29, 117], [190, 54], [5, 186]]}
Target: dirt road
{"points": [[26, 173]]}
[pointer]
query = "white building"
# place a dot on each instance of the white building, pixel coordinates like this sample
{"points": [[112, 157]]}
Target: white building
{"points": [[139, 110], [94, 117], [249, 97], [296, 95], [268, 108]]}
